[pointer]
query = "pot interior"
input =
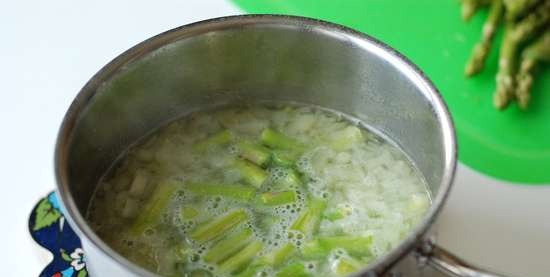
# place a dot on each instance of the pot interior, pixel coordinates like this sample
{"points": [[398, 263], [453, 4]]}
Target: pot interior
{"points": [[247, 60]]}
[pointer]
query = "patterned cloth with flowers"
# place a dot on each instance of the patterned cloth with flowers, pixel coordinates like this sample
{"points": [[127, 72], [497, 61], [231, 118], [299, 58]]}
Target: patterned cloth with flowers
{"points": [[49, 229]]}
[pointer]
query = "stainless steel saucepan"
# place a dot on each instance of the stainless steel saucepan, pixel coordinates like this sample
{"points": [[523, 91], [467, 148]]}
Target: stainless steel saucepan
{"points": [[253, 58]]}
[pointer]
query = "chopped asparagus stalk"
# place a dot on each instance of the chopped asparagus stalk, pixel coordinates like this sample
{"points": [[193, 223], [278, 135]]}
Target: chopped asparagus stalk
{"points": [[219, 226], [283, 158], [292, 178], [279, 256], [188, 212], [357, 246], [251, 173], [340, 212], [155, 206], [308, 221], [251, 271], [313, 250], [538, 51], [228, 246], [482, 48], [232, 191], [278, 198], [257, 154], [218, 139], [321, 247], [277, 140], [237, 262], [469, 7], [344, 139], [293, 270], [345, 266]]}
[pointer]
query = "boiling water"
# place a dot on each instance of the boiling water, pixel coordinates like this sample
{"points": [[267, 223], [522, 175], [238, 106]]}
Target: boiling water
{"points": [[370, 194]]}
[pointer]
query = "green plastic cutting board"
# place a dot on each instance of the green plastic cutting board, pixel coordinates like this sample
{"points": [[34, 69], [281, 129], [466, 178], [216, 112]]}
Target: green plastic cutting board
{"points": [[513, 145]]}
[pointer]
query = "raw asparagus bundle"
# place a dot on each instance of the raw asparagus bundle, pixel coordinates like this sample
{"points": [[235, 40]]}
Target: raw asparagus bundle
{"points": [[525, 22]]}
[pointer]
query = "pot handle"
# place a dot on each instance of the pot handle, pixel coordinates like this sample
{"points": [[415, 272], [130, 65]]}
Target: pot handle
{"points": [[447, 263]]}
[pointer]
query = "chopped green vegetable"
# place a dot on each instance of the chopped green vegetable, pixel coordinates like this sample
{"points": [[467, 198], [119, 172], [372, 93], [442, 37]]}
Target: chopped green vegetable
{"points": [[321, 247], [278, 198], [278, 140], [188, 212], [525, 20], [257, 154], [280, 255], [219, 139], [237, 262], [538, 51], [228, 246], [232, 191], [283, 158], [293, 270], [251, 270], [337, 213], [219, 226], [517, 8], [155, 206], [345, 266], [357, 246], [251, 173], [469, 7], [482, 48], [308, 221]]}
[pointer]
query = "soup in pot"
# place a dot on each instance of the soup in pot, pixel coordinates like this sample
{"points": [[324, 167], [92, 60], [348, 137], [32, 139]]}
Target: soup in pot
{"points": [[282, 190]]}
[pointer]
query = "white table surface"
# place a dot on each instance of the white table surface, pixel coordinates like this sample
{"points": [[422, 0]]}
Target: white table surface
{"points": [[49, 49]]}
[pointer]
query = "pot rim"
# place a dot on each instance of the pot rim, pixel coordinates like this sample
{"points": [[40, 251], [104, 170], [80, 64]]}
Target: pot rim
{"points": [[145, 47]]}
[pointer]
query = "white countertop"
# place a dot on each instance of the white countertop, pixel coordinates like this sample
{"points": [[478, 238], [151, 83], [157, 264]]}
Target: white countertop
{"points": [[49, 49]]}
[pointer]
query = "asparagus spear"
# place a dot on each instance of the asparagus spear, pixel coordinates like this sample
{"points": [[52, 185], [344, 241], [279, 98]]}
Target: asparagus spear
{"points": [[291, 179], [279, 256], [237, 262], [257, 154], [517, 8], [506, 70], [155, 206], [341, 211], [321, 247], [308, 221], [251, 173], [482, 48], [219, 226], [293, 270], [278, 140], [537, 52], [239, 192], [273, 260], [228, 246], [278, 198], [469, 7], [283, 158], [221, 138], [513, 37]]}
